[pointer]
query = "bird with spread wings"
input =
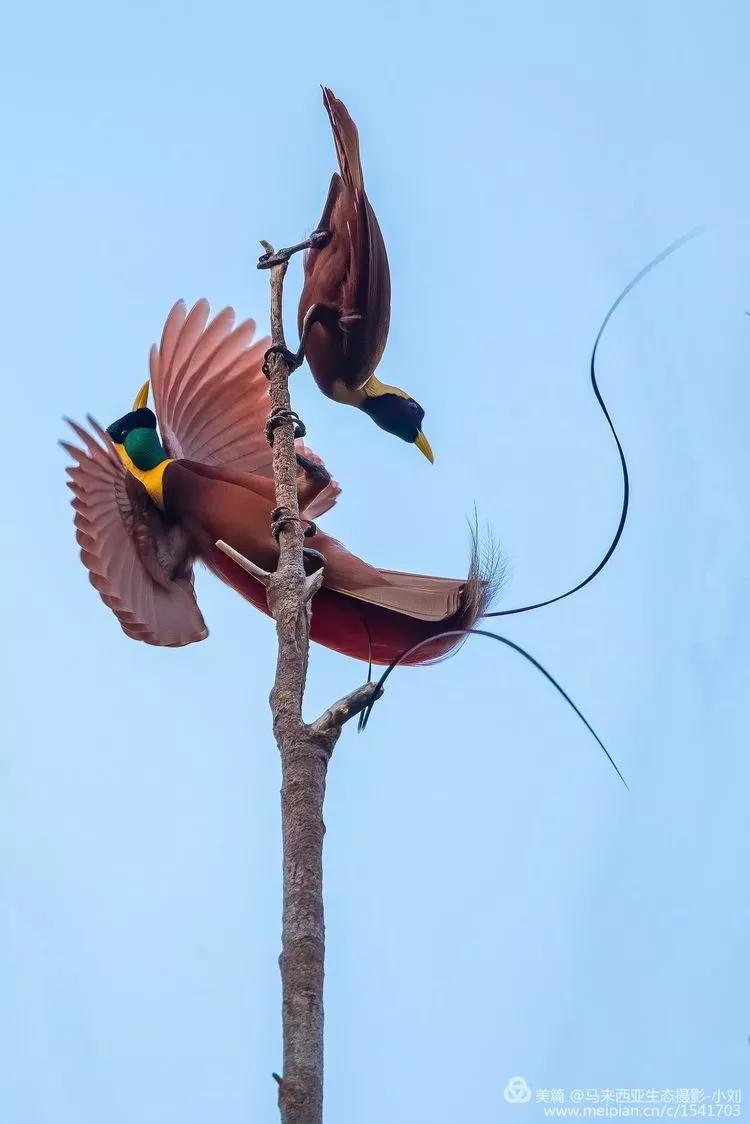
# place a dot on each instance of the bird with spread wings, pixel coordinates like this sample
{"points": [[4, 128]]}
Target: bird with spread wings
{"points": [[156, 491]]}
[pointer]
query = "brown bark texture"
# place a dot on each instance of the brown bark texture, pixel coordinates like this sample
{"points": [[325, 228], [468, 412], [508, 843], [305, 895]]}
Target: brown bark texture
{"points": [[305, 751]]}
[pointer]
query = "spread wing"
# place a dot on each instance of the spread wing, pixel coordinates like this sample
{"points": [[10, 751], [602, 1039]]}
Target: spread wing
{"points": [[137, 562], [211, 395]]}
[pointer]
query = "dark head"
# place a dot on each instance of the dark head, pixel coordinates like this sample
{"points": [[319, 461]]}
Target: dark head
{"points": [[397, 413], [135, 436], [136, 419]]}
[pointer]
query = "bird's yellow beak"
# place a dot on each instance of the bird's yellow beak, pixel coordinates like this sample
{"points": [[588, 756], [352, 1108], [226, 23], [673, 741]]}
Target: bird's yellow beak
{"points": [[424, 447], [141, 398]]}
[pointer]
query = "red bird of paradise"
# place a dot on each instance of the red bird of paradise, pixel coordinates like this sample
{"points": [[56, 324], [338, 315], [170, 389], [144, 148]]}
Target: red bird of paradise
{"points": [[345, 307], [151, 502]]}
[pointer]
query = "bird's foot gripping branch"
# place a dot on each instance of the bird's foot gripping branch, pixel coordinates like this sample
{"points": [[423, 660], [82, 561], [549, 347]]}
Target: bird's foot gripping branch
{"points": [[293, 360], [305, 749], [272, 259], [280, 414], [317, 240], [195, 479]]}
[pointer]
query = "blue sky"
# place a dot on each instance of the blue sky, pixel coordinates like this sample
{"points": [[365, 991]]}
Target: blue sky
{"points": [[497, 903]]}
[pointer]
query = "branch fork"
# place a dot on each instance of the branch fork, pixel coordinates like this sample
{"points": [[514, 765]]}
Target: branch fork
{"points": [[313, 582], [305, 749]]}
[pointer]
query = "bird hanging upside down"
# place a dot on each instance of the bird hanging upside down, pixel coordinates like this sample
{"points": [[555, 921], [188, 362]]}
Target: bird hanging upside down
{"points": [[148, 506], [345, 306]]}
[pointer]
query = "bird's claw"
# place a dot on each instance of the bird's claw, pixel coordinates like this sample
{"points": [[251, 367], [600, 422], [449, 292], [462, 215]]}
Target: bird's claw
{"points": [[293, 359], [280, 520], [319, 238], [312, 555], [315, 471], [316, 241], [278, 416]]}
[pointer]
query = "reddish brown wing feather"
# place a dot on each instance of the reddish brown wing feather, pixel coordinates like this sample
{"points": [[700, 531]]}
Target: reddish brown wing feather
{"points": [[211, 395], [134, 560], [368, 285], [350, 274], [345, 138]]}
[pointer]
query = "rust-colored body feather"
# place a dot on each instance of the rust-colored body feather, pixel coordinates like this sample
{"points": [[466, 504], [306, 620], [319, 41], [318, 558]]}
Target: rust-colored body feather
{"points": [[211, 401], [348, 280]]}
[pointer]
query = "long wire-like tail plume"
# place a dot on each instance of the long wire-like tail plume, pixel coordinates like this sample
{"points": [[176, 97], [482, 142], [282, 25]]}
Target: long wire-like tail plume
{"points": [[516, 648], [671, 249], [360, 727]]}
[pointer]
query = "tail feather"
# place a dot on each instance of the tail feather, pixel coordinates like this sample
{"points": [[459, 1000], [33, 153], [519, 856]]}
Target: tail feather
{"points": [[345, 138], [487, 573], [671, 249], [484, 579], [366, 631], [365, 715]]}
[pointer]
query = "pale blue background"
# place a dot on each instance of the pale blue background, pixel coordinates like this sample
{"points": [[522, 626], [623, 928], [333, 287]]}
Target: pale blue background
{"points": [[497, 902]]}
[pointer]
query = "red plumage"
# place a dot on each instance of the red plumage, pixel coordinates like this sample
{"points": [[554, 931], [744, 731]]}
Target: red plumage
{"points": [[348, 281], [211, 403]]}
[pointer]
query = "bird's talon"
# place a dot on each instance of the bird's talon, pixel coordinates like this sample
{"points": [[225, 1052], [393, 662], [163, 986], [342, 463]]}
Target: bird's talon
{"points": [[278, 416], [280, 520], [315, 471], [293, 360], [272, 257]]}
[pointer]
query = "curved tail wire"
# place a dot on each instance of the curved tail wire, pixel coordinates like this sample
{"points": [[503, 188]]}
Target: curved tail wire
{"points": [[365, 717], [670, 249]]}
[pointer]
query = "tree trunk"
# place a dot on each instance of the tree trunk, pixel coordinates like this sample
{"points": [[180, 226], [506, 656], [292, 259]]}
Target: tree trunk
{"points": [[305, 752]]}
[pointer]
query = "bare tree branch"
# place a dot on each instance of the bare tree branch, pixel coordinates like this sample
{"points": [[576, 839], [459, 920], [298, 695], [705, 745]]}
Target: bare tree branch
{"points": [[305, 750], [350, 706]]}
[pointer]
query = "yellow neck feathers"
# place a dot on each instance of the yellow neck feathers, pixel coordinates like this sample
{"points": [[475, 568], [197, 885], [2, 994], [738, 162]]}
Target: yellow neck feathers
{"points": [[151, 478], [373, 388]]}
